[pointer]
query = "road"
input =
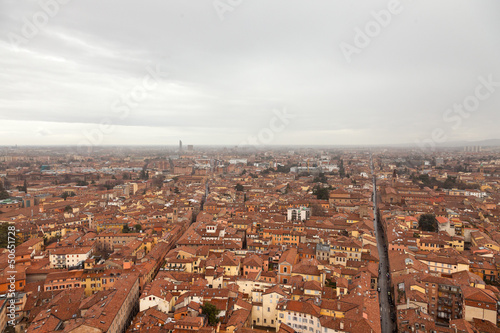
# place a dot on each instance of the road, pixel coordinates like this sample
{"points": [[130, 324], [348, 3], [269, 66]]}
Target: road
{"points": [[387, 312]]}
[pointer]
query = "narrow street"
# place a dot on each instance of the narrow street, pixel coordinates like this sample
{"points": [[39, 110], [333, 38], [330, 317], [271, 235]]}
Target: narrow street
{"points": [[387, 312]]}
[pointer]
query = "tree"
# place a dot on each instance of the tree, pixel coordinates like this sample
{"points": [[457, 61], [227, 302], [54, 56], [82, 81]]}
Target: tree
{"points": [[320, 178], [239, 187], [125, 229], [284, 168], [3, 192], [211, 311], [138, 227], [428, 222], [158, 181], [144, 174], [7, 184], [450, 182], [321, 193], [317, 210], [68, 209], [266, 171]]}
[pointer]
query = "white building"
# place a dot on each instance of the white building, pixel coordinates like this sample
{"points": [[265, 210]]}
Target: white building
{"points": [[69, 256], [301, 213]]}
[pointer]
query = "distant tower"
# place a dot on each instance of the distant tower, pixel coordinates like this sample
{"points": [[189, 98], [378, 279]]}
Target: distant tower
{"points": [[180, 145], [394, 178]]}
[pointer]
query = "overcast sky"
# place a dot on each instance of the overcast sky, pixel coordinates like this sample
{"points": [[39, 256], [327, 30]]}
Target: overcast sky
{"points": [[218, 72]]}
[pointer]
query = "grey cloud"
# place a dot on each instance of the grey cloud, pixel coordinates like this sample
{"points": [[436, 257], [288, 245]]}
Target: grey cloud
{"points": [[225, 77]]}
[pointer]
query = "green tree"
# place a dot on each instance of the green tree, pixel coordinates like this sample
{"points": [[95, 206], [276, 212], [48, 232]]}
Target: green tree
{"points": [[428, 222], [320, 178], [450, 182], [239, 187], [138, 227], [321, 193], [68, 209], [211, 311], [125, 229], [144, 174], [266, 171], [284, 168], [3, 193]]}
